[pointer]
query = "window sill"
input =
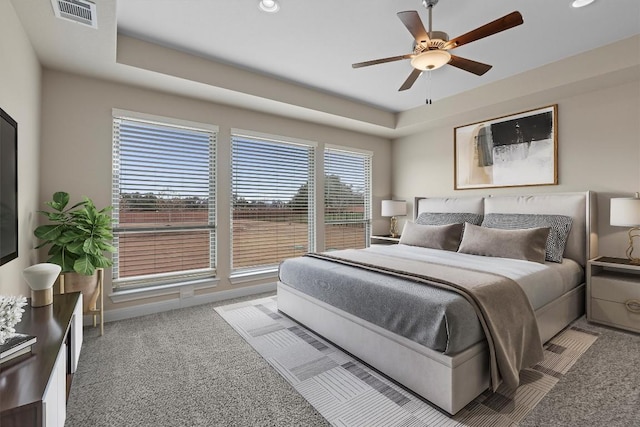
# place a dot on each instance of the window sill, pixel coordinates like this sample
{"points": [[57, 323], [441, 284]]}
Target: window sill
{"points": [[182, 288], [251, 276]]}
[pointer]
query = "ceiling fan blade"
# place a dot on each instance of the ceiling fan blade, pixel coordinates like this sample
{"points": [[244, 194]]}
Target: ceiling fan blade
{"points": [[412, 21], [477, 68], [411, 79], [508, 21], [381, 61]]}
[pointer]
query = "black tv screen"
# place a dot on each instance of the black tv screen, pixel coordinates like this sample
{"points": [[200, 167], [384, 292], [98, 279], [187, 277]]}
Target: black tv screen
{"points": [[8, 188]]}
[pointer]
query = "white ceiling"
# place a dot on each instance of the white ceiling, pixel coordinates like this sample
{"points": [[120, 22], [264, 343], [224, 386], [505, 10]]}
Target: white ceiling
{"points": [[314, 43], [297, 63]]}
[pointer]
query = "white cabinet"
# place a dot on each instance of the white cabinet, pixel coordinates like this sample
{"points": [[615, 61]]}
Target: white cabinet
{"points": [[76, 334], [613, 293], [54, 403], [38, 384], [54, 399]]}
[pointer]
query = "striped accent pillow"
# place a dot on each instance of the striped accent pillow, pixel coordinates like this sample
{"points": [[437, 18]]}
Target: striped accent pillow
{"points": [[560, 227], [445, 218]]}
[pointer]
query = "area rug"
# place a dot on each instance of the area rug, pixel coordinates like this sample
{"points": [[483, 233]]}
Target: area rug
{"points": [[347, 392]]}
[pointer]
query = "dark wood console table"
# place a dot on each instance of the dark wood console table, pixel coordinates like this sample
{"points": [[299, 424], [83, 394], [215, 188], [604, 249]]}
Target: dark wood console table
{"points": [[33, 390]]}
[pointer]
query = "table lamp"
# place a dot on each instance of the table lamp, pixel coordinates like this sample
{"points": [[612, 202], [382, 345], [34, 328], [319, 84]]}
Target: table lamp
{"points": [[625, 212], [394, 208], [40, 278]]}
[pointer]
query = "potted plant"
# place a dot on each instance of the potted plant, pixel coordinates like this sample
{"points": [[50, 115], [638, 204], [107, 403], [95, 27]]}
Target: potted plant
{"points": [[78, 237]]}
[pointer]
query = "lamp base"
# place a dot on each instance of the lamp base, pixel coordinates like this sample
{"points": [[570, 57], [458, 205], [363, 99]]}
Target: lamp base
{"points": [[393, 230], [42, 297], [633, 232]]}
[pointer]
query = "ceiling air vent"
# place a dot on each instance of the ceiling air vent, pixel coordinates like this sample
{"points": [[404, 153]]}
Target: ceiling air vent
{"points": [[80, 11]]}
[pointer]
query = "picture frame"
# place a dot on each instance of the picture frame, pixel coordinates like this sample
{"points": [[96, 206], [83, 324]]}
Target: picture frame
{"points": [[517, 150]]}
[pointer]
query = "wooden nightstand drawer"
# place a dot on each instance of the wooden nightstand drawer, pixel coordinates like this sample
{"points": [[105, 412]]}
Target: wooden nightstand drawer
{"points": [[615, 314], [616, 287]]}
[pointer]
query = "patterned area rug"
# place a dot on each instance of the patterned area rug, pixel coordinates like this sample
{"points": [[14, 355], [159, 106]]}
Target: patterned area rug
{"points": [[349, 393]]}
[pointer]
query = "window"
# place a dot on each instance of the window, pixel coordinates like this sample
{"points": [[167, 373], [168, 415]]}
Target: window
{"points": [[272, 200], [347, 198], [164, 201]]}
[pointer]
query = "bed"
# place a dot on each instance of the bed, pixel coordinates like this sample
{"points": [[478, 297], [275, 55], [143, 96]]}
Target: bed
{"points": [[446, 359]]}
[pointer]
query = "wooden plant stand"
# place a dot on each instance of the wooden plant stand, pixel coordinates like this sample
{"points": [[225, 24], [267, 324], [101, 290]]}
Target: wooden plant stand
{"points": [[96, 311]]}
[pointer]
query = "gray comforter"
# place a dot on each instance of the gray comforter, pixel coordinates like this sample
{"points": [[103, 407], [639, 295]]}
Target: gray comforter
{"points": [[502, 307], [438, 319]]}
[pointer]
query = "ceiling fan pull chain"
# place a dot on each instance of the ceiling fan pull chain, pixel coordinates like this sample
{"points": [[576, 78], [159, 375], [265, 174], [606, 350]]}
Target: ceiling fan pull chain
{"points": [[428, 100]]}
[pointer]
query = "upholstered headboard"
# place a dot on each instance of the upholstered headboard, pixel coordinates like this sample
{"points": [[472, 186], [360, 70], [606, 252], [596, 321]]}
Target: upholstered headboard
{"points": [[582, 240], [450, 204]]}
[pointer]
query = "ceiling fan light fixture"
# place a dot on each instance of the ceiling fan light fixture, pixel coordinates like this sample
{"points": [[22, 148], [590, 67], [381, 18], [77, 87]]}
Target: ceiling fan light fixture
{"points": [[270, 6], [430, 59], [581, 3]]}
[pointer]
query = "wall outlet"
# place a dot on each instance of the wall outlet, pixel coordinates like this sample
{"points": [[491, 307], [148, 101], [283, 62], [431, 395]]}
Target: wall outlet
{"points": [[186, 292]]}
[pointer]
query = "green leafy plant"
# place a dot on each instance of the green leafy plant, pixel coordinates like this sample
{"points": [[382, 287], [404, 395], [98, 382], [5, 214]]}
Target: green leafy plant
{"points": [[79, 235]]}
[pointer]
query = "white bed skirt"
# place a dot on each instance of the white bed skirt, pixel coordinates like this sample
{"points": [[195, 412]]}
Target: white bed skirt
{"points": [[450, 382]]}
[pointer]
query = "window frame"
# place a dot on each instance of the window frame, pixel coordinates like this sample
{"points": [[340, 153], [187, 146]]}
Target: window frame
{"points": [[246, 274], [368, 211], [163, 283]]}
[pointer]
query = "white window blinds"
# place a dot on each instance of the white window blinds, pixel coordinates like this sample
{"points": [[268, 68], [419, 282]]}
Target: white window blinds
{"points": [[347, 198], [164, 203], [272, 201]]}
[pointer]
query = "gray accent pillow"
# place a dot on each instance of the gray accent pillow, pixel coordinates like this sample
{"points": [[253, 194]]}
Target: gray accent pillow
{"points": [[560, 226], [445, 237], [443, 218], [528, 244]]}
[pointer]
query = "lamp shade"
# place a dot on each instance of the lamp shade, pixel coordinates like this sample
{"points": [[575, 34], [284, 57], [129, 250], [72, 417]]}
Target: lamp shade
{"points": [[394, 207], [625, 212], [41, 276]]}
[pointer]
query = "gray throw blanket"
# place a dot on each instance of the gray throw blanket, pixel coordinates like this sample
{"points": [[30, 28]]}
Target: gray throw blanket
{"points": [[501, 305]]}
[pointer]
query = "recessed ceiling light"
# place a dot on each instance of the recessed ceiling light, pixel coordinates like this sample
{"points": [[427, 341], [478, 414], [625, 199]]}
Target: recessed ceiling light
{"points": [[269, 6], [581, 3]]}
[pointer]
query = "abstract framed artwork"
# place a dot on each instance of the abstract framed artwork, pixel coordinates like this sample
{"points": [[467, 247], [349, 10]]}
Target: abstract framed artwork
{"points": [[511, 151]]}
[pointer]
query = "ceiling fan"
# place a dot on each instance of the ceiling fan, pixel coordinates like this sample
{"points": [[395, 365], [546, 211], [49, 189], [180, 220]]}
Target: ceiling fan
{"points": [[431, 49]]}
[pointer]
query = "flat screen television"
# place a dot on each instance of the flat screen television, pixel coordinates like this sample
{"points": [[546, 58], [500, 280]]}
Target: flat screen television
{"points": [[8, 188]]}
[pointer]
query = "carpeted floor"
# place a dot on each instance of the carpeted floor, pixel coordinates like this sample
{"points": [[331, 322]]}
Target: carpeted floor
{"points": [[349, 393], [188, 367], [601, 389], [184, 367]]}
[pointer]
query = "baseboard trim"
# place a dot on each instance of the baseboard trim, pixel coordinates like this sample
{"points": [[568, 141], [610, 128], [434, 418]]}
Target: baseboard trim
{"points": [[158, 307]]}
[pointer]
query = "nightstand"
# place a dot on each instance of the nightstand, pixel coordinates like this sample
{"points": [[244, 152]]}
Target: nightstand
{"points": [[385, 240], [613, 293]]}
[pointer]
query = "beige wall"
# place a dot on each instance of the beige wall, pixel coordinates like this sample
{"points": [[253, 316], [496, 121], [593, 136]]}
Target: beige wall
{"points": [[598, 144], [20, 98], [77, 132]]}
